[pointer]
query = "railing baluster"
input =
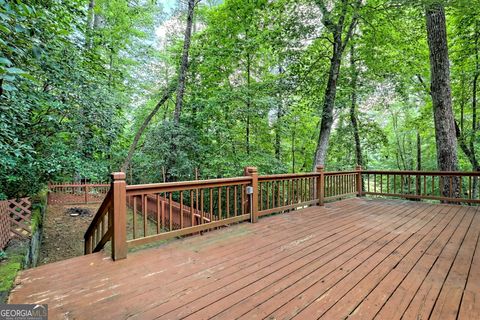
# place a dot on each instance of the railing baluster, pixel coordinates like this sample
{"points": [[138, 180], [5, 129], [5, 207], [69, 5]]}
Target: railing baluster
{"points": [[202, 209], [97, 236], [433, 186], [212, 218], [158, 213], [260, 191], [235, 200], [134, 227], [170, 211], [425, 185], [228, 201], [461, 187], [144, 214], [163, 210], [268, 195], [104, 218], [470, 187], [450, 187], [192, 212], [388, 183], [368, 182], [242, 188], [219, 203], [181, 210], [278, 194], [274, 192]]}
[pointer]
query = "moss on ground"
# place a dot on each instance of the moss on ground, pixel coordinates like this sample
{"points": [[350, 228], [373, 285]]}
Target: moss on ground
{"points": [[17, 249], [9, 267]]}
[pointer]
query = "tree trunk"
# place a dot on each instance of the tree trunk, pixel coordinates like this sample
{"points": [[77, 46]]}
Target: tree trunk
{"points": [[419, 164], [249, 105], [182, 74], [293, 147], [278, 128], [166, 95], [469, 148], [90, 24], [353, 106], [337, 29], [441, 94], [278, 124], [328, 105]]}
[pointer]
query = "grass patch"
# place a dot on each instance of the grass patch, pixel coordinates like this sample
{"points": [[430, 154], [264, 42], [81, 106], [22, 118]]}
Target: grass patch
{"points": [[15, 254], [13, 258]]}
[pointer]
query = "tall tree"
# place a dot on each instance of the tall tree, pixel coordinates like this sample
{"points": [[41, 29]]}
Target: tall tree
{"points": [[182, 73], [167, 93], [176, 84], [340, 30], [353, 106], [445, 137]]}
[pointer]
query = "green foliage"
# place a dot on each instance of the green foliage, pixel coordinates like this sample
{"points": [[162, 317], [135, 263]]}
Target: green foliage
{"points": [[76, 84], [60, 120], [13, 257]]}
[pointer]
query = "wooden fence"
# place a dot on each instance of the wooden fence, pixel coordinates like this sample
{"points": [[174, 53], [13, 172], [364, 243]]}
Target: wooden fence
{"points": [[5, 233], [15, 217], [77, 193], [185, 208]]}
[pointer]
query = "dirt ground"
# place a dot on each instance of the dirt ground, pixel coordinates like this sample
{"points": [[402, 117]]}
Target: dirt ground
{"points": [[63, 234]]}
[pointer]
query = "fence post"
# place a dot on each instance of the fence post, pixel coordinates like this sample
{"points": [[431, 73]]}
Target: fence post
{"points": [[119, 216], [49, 191], [86, 192], [359, 181], [253, 198], [320, 184]]}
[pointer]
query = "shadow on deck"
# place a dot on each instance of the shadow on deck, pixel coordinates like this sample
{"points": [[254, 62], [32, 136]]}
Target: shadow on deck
{"points": [[355, 258]]}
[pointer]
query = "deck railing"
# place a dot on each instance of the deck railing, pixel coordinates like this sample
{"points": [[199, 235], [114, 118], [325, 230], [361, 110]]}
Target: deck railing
{"points": [[283, 192], [136, 215], [456, 187]]}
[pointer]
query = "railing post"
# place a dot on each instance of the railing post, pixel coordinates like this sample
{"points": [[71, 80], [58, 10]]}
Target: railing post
{"points": [[359, 181], [320, 184], [119, 216], [253, 197]]}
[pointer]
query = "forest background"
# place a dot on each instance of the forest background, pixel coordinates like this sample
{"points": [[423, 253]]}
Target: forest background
{"points": [[79, 79]]}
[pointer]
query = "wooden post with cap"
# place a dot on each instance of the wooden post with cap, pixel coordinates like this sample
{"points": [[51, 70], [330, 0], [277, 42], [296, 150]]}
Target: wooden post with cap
{"points": [[119, 216], [320, 184], [359, 181], [253, 198]]}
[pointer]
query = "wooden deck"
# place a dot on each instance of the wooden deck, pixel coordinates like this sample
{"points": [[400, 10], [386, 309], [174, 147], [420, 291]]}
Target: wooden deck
{"points": [[357, 258]]}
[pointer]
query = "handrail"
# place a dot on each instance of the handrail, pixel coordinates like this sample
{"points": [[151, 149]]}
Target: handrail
{"points": [[100, 212], [184, 185], [99, 230], [333, 173], [428, 173], [287, 176]]}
